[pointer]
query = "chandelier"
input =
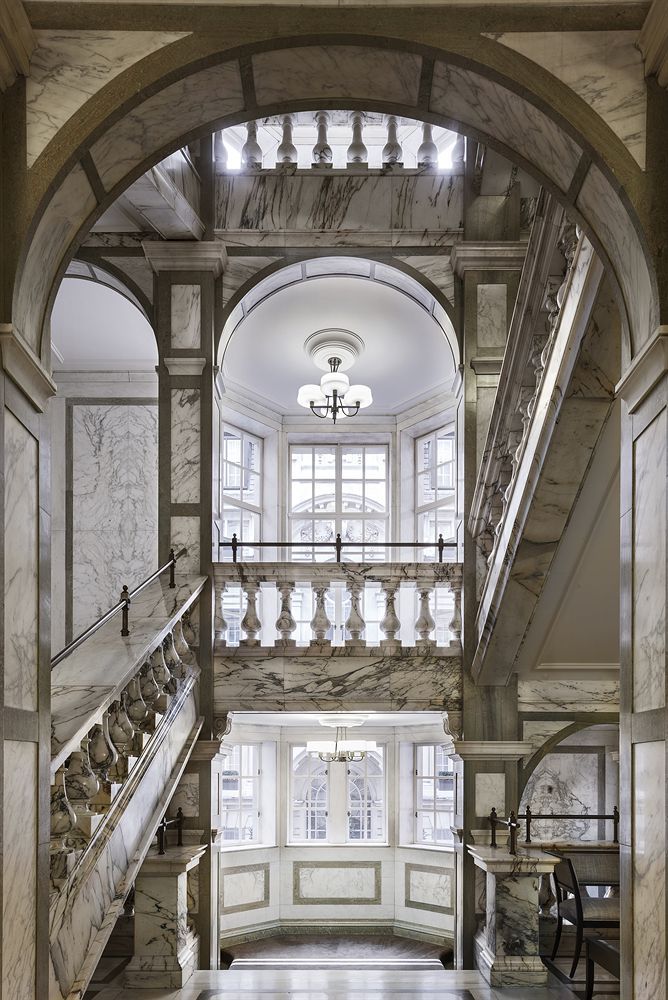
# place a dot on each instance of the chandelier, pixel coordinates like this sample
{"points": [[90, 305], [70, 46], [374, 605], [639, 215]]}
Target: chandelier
{"points": [[334, 351], [340, 750]]}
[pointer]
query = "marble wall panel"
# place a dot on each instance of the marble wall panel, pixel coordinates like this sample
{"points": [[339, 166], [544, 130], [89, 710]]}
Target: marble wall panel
{"points": [[568, 696], [492, 321], [566, 782], [19, 870], [649, 870], [245, 887], [21, 560], [604, 68], [429, 887], [186, 313], [437, 269], [68, 67], [332, 883], [514, 925], [163, 119], [186, 796], [649, 567], [186, 532], [490, 793], [603, 209], [186, 428], [336, 71], [538, 732], [113, 455], [467, 97]]}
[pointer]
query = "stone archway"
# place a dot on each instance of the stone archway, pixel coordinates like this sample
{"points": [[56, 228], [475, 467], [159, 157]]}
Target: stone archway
{"points": [[557, 138]]}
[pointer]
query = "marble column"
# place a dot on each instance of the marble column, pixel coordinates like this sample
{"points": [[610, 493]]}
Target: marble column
{"points": [[487, 277], [507, 947], [644, 644], [166, 948], [25, 388], [188, 298]]}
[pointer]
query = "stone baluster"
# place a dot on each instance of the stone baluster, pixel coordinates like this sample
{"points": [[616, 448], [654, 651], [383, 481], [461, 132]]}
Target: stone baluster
{"points": [[102, 751], [250, 623], [455, 625], [63, 822], [320, 623], [163, 678], [172, 659], [184, 651], [393, 154], [219, 150], [355, 623], [82, 786], [286, 153], [251, 152], [220, 623], [322, 155], [121, 729], [138, 713], [427, 154], [390, 623], [190, 627], [357, 153], [285, 623], [150, 690], [425, 623]]}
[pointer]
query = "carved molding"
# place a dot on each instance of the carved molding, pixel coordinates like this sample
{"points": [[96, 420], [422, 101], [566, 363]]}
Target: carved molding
{"points": [[646, 370], [488, 256], [492, 749], [24, 368], [17, 42], [185, 366], [185, 255], [653, 42]]}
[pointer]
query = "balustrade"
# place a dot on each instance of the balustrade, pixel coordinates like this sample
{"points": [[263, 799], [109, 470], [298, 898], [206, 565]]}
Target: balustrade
{"points": [[419, 601]]}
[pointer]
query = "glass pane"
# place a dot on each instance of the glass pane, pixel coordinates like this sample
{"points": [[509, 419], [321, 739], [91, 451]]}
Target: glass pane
{"points": [[251, 453], [248, 825], [231, 519], [445, 449], [426, 492], [425, 453], [375, 463], [425, 792], [302, 463], [445, 476], [325, 463], [324, 531], [424, 757], [443, 824], [231, 447], [353, 496], [324, 498], [251, 493], [352, 463], [231, 478], [302, 495], [352, 531], [376, 497], [231, 825]]}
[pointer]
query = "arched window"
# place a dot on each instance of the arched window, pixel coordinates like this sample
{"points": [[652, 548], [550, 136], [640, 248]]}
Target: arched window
{"points": [[366, 798], [309, 796]]}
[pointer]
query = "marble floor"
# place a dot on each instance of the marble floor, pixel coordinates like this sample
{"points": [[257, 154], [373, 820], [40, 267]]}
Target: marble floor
{"points": [[334, 984]]}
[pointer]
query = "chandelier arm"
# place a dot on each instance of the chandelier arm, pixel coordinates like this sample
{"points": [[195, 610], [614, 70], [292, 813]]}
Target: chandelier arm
{"points": [[314, 410], [353, 408]]}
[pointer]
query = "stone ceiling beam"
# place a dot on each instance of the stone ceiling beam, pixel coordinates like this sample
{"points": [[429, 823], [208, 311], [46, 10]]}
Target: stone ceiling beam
{"points": [[653, 42], [17, 42]]}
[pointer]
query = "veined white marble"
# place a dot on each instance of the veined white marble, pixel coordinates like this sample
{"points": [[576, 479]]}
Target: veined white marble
{"points": [[467, 97], [21, 607], [564, 783], [336, 70], [492, 324], [649, 870], [568, 696], [602, 207], [437, 269], [604, 68], [186, 796], [432, 888], [186, 316], [19, 869], [185, 531], [114, 503], [490, 793], [537, 732], [329, 883], [85, 683], [649, 566], [243, 888], [186, 436], [68, 67], [205, 96]]}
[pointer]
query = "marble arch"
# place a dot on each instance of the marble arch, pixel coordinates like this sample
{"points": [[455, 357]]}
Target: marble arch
{"points": [[498, 97]]}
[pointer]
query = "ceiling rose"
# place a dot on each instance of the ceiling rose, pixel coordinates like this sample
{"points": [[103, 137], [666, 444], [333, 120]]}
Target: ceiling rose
{"points": [[325, 344]]}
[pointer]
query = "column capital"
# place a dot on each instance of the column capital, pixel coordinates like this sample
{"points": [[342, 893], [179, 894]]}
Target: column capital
{"points": [[185, 255], [496, 750], [648, 367], [24, 368], [504, 255]]}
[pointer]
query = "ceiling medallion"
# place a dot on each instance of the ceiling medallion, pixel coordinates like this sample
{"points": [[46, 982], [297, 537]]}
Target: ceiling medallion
{"points": [[334, 352]]}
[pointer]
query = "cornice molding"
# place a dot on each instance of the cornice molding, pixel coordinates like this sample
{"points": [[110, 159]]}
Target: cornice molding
{"points": [[500, 256], [24, 368], [17, 42], [496, 750], [646, 370], [185, 255], [653, 42], [185, 366]]}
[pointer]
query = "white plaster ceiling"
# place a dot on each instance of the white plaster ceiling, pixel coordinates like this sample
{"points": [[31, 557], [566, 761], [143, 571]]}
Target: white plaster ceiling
{"points": [[406, 357], [94, 328]]}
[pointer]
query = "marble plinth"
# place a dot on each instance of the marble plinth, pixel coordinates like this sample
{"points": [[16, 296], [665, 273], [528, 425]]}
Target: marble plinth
{"points": [[507, 951], [166, 950]]}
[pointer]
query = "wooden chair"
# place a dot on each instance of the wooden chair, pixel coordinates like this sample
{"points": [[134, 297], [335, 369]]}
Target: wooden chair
{"points": [[579, 909]]}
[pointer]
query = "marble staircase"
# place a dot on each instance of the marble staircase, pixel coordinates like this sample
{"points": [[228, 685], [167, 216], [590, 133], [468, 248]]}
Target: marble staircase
{"points": [[124, 723]]}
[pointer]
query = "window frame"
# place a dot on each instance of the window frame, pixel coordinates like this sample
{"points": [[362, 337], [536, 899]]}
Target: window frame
{"points": [[418, 808], [439, 503], [256, 778], [238, 502]]}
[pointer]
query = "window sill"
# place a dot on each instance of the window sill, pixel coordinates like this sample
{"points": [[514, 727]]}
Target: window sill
{"points": [[229, 848], [445, 848], [326, 843]]}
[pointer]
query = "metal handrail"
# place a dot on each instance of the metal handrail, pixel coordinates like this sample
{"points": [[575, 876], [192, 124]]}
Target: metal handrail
{"points": [[338, 545], [123, 605], [177, 821], [512, 824]]}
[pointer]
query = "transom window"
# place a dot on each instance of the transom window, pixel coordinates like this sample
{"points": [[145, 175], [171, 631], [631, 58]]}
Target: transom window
{"points": [[435, 484], [434, 795], [241, 795], [339, 489], [241, 489]]}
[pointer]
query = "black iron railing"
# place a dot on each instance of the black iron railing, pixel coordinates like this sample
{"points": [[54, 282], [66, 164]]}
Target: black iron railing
{"points": [[123, 606], [513, 823], [338, 546], [177, 821]]}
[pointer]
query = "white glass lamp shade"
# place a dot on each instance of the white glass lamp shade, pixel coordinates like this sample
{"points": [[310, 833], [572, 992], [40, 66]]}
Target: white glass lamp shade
{"points": [[357, 746], [334, 380], [311, 394], [320, 746], [358, 393]]}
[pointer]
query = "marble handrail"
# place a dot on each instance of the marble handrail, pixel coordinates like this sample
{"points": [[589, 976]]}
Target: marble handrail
{"points": [[426, 577]]}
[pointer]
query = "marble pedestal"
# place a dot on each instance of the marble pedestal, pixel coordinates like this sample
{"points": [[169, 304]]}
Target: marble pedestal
{"points": [[507, 951], [166, 950]]}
